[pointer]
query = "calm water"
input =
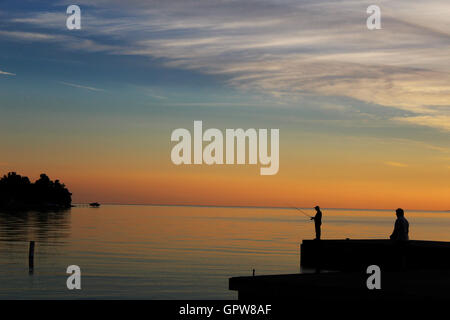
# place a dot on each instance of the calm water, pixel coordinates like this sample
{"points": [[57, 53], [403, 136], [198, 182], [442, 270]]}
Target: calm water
{"points": [[158, 252]]}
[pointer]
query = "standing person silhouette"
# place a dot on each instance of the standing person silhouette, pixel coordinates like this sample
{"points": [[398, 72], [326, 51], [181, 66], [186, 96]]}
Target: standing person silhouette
{"points": [[401, 227], [317, 221]]}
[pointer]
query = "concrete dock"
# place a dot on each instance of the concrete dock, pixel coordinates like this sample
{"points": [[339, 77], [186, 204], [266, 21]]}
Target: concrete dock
{"points": [[406, 285], [415, 270], [356, 255]]}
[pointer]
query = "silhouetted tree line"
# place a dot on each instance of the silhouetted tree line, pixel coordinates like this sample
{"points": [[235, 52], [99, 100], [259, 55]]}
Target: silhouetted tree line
{"points": [[17, 192]]}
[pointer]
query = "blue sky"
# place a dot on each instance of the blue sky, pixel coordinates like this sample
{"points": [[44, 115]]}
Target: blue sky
{"points": [[287, 51], [310, 68]]}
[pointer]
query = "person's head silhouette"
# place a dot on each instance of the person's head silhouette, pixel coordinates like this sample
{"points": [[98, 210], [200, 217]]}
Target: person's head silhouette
{"points": [[317, 208], [400, 212]]}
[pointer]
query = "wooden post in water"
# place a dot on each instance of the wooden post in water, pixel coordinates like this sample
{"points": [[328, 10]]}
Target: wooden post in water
{"points": [[31, 257]]}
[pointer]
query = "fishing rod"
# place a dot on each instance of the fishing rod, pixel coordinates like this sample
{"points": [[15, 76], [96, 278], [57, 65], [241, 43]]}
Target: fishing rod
{"points": [[302, 212]]}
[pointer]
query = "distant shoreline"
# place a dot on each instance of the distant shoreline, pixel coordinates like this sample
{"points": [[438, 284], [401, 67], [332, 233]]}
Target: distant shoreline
{"points": [[18, 193]]}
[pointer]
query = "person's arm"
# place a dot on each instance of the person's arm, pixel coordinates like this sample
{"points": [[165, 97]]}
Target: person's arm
{"points": [[395, 232]]}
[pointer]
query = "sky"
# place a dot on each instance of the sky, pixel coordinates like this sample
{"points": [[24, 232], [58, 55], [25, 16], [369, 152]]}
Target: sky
{"points": [[364, 115]]}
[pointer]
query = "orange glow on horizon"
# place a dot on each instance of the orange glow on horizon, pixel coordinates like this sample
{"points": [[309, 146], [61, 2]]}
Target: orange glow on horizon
{"points": [[331, 175]]}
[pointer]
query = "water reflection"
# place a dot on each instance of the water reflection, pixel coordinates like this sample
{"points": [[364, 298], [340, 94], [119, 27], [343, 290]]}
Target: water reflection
{"points": [[49, 226], [163, 252]]}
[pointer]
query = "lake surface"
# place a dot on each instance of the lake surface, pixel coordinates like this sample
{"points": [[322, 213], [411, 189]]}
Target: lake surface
{"points": [[173, 252]]}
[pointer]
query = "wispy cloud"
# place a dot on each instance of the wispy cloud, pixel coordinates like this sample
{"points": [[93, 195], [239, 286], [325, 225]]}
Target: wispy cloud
{"points": [[7, 73], [436, 121], [286, 48], [66, 41], [396, 164], [80, 86], [31, 36]]}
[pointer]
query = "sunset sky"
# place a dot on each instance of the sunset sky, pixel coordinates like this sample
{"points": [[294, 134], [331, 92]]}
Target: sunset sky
{"points": [[364, 116]]}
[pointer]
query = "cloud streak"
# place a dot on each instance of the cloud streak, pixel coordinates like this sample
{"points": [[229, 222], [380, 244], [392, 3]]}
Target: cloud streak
{"points": [[396, 164], [435, 121], [81, 86], [7, 73]]}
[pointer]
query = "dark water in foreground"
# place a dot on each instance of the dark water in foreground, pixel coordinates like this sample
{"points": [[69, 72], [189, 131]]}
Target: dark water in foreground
{"points": [[157, 252]]}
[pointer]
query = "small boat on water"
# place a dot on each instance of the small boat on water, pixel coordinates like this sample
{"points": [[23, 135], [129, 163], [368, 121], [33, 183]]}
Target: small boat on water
{"points": [[94, 204]]}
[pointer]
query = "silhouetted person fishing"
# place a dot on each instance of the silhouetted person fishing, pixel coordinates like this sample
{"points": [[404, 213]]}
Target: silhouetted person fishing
{"points": [[401, 227], [317, 221]]}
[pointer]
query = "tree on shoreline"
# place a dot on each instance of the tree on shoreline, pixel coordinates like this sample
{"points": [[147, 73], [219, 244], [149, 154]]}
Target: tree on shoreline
{"points": [[17, 191]]}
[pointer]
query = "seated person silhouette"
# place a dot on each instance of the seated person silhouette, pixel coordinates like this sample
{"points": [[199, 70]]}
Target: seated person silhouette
{"points": [[401, 227]]}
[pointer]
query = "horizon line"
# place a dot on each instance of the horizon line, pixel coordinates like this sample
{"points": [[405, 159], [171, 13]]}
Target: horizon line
{"points": [[247, 206]]}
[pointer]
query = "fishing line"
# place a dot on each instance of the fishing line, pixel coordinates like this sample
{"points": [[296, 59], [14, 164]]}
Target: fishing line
{"points": [[302, 212]]}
